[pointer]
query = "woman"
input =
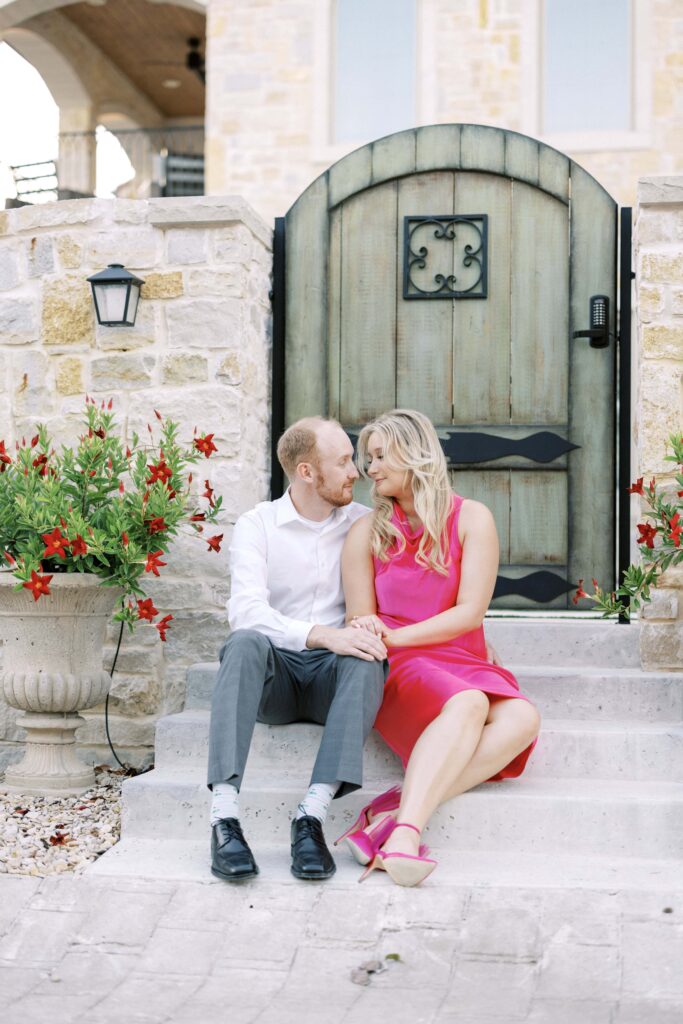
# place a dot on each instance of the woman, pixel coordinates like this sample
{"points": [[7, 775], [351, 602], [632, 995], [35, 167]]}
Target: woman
{"points": [[420, 571]]}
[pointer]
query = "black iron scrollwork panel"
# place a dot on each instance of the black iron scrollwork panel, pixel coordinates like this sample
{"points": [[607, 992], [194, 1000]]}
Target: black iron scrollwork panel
{"points": [[445, 257], [542, 586]]}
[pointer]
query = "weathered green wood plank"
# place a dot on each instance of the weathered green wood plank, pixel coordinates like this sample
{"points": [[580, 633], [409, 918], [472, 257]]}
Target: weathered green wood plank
{"points": [[393, 156], [306, 242], [368, 317], [539, 283], [538, 517], [481, 327], [521, 157], [334, 314], [493, 489], [424, 327], [438, 147], [482, 148], [350, 174], [591, 488], [553, 173]]}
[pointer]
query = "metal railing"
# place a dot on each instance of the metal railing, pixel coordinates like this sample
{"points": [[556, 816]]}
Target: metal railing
{"points": [[165, 161]]}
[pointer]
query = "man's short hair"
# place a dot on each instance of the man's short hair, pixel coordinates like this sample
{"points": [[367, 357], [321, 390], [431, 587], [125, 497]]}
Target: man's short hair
{"points": [[299, 443]]}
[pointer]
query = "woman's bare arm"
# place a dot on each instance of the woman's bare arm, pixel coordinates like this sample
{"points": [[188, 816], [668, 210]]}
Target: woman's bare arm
{"points": [[478, 572], [358, 573]]}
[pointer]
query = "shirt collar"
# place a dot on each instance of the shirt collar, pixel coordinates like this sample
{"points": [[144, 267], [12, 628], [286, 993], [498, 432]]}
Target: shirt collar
{"points": [[285, 511]]}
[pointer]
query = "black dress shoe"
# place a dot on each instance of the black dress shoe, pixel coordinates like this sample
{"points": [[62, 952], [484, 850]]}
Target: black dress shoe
{"points": [[310, 856], [231, 858]]}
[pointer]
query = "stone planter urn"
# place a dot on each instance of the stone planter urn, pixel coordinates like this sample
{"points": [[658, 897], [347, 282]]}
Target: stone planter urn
{"points": [[51, 669]]}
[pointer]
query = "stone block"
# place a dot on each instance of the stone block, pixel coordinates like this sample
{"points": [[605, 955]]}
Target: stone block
{"points": [[661, 646], [9, 268], [650, 303], [17, 321], [660, 268], [660, 342], [198, 211], [196, 636], [112, 373], [651, 961], [68, 311], [131, 211], [184, 369], [492, 987], [571, 968], [30, 385], [132, 695], [137, 248], [229, 370], [4, 223], [186, 245], [227, 283], [663, 604], [69, 376], [660, 188], [677, 301], [231, 245], [124, 730], [660, 415], [69, 251], [162, 286], [512, 933], [204, 323], [71, 211], [40, 256], [211, 409], [146, 331]]}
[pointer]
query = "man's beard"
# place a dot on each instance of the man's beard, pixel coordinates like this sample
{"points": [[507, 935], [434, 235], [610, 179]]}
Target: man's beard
{"points": [[338, 498]]}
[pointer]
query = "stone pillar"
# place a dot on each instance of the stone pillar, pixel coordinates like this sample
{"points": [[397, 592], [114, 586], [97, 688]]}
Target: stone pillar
{"points": [[658, 245], [77, 156]]}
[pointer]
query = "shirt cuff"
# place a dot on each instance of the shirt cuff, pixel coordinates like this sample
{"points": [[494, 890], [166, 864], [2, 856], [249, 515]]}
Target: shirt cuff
{"points": [[297, 634]]}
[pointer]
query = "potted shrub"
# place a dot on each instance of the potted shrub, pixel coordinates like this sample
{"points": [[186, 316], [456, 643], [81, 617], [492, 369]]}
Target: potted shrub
{"points": [[80, 530]]}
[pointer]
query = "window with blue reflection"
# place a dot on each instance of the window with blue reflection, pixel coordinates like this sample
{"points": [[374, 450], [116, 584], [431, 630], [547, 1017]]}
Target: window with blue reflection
{"points": [[587, 66], [374, 68]]}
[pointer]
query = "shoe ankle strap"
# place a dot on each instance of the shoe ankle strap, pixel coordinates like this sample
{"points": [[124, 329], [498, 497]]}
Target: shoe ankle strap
{"points": [[405, 824]]}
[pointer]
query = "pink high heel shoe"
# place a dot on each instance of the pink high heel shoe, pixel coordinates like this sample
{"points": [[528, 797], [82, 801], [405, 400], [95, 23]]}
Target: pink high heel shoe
{"points": [[388, 801], [365, 843], [402, 868]]}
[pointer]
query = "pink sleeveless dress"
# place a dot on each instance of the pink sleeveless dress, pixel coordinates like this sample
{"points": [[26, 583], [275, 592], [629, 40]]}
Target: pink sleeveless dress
{"points": [[421, 679]]}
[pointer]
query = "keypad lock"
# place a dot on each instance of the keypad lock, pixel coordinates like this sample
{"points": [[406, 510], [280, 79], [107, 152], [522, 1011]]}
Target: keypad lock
{"points": [[598, 332]]}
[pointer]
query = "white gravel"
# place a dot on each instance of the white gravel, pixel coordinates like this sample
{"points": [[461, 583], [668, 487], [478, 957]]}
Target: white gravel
{"points": [[46, 835]]}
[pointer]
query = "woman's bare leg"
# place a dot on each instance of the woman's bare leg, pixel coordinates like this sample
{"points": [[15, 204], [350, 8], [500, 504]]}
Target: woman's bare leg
{"points": [[438, 759]]}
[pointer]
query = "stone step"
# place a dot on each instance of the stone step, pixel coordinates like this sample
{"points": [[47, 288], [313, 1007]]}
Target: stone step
{"points": [[188, 861], [567, 748], [542, 816], [578, 692]]}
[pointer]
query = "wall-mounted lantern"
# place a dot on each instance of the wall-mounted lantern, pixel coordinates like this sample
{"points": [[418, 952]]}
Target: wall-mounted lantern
{"points": [[116, 293]]}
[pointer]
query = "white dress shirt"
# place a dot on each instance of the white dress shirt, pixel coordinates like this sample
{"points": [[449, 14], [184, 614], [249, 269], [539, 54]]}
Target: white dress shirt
{"points": [[286, 571]]}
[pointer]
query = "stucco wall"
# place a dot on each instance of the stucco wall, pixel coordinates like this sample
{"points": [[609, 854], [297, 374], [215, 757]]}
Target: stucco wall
{"points": [[658, 239], [199, 353]]}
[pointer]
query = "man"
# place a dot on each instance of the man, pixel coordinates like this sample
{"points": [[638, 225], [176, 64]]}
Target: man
{"points": [[289, 656]]}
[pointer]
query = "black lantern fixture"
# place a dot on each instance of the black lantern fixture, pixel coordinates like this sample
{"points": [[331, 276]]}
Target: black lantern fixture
{"points": [[116, 293]]}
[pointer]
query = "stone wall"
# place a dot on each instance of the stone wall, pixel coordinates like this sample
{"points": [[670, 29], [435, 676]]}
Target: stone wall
{"points": [[658, 238], [269, 94], [199, 353]]}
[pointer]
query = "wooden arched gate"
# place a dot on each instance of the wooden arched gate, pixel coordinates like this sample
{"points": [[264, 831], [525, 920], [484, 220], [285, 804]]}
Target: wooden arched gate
{"points": [[452, 269]]}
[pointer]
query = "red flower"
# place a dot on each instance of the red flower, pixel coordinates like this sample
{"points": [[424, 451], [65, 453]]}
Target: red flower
{"points": [[38, 585], [56, 543], [110, 403], [100, 433], [215, 542], [637, 487], [146, 609], [676, 529], [128, 453], [157, 525], [580, 592], [78, 546], [647, 534], [153, 563], [205, 445], [158, 415], [10, 558], [208, 493], [162, 625], [121, 487], [124, 539], [34, 440], [41, 465], [160, 471], [198, 518], [5, 459]]}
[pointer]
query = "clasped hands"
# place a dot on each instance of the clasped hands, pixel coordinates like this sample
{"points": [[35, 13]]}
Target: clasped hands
{"points": [[373, 624]]}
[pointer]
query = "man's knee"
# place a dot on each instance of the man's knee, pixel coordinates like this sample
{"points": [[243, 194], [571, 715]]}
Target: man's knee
{"points": [[366, 677], [245, 642]]}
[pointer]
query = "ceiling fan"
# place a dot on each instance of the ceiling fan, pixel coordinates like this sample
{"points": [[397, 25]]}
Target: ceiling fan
{"points": [[194, 60]]}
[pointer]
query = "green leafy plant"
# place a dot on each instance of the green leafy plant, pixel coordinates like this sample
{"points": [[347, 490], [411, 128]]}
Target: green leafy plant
{"points": [[102, 508], [659, 538]]}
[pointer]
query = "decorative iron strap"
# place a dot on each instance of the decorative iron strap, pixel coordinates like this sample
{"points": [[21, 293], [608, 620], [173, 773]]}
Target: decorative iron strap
{"points": [[447, 282], [542, 586], [462, 448]]}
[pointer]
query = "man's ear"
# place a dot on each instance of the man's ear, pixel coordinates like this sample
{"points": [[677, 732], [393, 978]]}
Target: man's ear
{"points": [[304, 471]]}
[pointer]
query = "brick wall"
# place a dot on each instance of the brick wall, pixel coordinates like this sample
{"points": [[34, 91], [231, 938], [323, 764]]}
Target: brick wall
{"points": [[199, 353]]}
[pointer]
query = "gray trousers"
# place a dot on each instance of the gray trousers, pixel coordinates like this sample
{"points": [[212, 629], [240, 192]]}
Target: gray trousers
{"points": [[258, 682]]}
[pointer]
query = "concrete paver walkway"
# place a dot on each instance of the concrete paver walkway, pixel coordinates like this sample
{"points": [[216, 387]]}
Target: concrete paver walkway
{"points": [[102, 950]]}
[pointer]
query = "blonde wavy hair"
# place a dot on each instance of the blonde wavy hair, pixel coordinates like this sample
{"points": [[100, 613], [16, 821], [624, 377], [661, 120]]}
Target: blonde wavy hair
{"points": [[411, 444]]}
